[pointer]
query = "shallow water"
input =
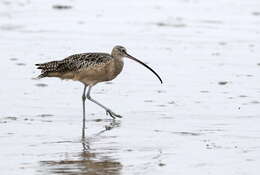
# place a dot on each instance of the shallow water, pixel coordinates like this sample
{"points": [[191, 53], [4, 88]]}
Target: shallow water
{"points": [[204, 119]]}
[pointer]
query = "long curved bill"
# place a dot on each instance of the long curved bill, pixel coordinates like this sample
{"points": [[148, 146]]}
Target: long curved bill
{"points": [[135, 59]]}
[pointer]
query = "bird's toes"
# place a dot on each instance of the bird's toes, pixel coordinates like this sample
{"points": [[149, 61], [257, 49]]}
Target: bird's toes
{"points": [[116, 115], [119, 116], [112, 114], [108, 112]]}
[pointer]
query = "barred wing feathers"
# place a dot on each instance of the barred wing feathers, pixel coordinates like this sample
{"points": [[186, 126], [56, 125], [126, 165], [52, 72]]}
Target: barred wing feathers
{"points": [[73, 63]]}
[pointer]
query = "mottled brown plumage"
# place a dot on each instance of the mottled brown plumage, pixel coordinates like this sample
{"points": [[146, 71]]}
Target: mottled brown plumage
{"points": [[81, 67], [75, 62]]}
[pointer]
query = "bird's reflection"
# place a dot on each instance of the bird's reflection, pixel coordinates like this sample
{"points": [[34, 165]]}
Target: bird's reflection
{"points": [[85, 140], [89, 161]]}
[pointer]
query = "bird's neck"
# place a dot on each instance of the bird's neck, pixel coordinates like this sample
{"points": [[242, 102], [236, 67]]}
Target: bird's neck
{"points": [[119, 61], [118, 65]]}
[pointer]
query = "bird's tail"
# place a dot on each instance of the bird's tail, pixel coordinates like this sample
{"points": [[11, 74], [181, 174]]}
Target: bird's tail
{"points": [[42, 75], [46, 68]]}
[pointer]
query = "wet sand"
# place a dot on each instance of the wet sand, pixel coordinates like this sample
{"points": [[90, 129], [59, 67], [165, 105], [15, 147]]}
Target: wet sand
{"points": [[204, 119]]}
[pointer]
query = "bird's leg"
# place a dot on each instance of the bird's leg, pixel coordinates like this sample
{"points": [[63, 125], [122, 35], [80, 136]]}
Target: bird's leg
{"points": [[108, 111], [84, 111]]}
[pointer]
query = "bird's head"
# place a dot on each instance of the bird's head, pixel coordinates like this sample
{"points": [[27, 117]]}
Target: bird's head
{"points": [[120, 52]]}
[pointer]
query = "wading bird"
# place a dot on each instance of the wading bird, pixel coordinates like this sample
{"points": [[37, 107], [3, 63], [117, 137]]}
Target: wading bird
{"points": [[90, 69]]}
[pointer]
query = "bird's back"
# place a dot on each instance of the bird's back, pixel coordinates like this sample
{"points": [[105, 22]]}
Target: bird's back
{"points": [[67, 67]]}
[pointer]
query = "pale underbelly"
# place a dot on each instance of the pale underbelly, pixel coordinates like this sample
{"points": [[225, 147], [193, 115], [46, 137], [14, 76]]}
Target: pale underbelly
{"points": [[94, 76]]}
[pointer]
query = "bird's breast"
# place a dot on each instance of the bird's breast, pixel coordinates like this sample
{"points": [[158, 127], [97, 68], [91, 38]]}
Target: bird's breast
{"points": [[115, 68], [100, 73]]}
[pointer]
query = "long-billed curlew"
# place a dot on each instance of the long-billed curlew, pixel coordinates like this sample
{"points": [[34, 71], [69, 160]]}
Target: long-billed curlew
{"points": [[90, 69]]}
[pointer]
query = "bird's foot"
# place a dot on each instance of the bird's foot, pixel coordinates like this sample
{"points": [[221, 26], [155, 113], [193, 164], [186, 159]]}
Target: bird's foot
{"points": [[112, 114]]}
